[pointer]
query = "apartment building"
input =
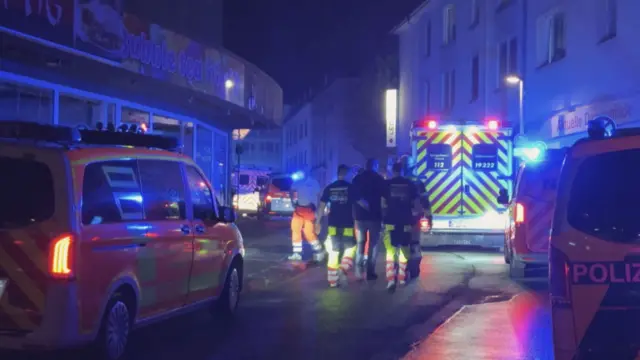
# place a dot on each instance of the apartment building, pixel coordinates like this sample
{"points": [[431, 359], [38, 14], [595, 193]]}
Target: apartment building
{"points": [[582, 62]]}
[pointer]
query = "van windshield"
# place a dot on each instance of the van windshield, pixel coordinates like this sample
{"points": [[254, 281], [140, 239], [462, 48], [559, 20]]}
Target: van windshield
{"points": [[26, 190], [605, 195]]}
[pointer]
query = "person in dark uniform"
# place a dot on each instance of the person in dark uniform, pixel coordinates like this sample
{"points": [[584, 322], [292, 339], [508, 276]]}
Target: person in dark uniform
{"points": [[415, 249], [400, 207], [340, 235]]}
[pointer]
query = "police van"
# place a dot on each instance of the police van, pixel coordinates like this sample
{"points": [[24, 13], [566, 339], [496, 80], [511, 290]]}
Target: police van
{"points": [[105, 231], [594, 256], [464, 167], [526, 240]]}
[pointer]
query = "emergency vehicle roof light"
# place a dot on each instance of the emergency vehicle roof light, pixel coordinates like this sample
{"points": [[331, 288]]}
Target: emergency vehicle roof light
{"points": [[298, 175], [493, 124], [432, 124], [533, 153], [38, 132], [127, 136], [601, 127]]}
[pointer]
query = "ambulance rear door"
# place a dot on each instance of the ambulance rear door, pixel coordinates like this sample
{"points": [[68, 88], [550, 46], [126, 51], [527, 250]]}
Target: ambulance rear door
{"points": [[439, 165]]}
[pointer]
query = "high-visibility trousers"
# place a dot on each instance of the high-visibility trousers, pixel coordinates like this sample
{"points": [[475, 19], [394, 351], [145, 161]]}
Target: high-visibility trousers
{"points": [[303, 222], [396, 241], [339, 240]]}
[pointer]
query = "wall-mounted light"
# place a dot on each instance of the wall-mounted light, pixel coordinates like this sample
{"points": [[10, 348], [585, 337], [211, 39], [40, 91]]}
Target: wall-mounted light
{"points": [[229, 84]]}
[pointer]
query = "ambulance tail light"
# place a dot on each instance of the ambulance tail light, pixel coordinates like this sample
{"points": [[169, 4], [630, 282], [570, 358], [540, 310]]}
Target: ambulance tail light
{"points": [[519, 213], [61, 257], [432, 124], [492, 124], [558, 277], [268, 198]]}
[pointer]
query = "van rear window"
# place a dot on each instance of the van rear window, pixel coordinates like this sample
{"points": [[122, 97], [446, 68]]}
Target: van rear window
{"points": [[282, 184], [439, 157], [26, 192], [604, 197]]}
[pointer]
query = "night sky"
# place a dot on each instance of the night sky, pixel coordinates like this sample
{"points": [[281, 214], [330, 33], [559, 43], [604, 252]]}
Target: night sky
{"points": [[298, 42]]}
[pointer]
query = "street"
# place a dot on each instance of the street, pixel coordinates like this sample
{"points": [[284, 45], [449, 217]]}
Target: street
{"points": [[290, 313]]}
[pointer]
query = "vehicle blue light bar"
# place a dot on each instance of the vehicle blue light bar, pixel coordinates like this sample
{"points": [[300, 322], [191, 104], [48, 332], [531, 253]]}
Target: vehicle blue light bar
{"points": [[298, 175], [601, 127], [532, 152]]}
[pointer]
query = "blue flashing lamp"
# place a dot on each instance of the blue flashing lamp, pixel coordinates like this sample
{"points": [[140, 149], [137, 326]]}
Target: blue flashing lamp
{"points": [[298, 175], [532, 153], [601, 127]]}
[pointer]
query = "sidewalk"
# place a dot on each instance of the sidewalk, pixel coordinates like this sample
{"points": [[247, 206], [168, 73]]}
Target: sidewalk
{"points": [[518, 329]]}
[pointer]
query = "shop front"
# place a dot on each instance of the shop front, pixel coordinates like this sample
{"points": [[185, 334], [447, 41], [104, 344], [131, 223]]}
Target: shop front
{"points": [[61, 65], [568, 126]]}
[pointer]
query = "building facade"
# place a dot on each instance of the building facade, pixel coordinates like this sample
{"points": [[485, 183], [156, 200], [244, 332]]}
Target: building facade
{"points": [[581, 63], [81, 62], [576, 60], [261, 149], [320, 134], [454, 56]]}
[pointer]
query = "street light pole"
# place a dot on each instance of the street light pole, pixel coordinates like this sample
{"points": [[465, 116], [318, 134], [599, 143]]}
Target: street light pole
{"points": [[516, 80]]}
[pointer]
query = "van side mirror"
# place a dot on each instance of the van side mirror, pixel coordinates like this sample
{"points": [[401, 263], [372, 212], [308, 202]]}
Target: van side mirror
{"points": [[503, 198]]}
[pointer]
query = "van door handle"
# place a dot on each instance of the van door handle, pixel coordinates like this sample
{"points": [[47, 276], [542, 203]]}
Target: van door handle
{"points": [[185, 229], [199, 229]]}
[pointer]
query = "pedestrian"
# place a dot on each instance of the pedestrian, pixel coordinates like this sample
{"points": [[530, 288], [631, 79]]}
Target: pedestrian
{"points": [[400, 207], [305, 193], [415, 249], [369, 188], [340, 237]]}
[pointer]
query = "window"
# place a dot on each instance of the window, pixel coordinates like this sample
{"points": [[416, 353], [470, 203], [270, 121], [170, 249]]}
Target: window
{"points": [[475, 78], [282, 183], [551, 40], [74, 111], [135, 117], [204, 150], [166, 126], [188, 139], [603, 197], [204, 207], [484, 157], [475, 12], [427, 39], [244, 179], [111, 192], [427, 97], [262, 181], [162, 190], [448, 90], [439, 157], [449, 24], [28, 193], [20, 102], [221, 155], [507, 60], [608, 20]]}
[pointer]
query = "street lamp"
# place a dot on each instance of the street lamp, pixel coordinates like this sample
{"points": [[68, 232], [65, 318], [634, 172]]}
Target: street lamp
{"points": [[516, 80]]}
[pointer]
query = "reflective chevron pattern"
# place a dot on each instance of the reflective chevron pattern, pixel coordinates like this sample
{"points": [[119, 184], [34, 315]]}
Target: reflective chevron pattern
{"points": [[444, 186], [481, 187]]}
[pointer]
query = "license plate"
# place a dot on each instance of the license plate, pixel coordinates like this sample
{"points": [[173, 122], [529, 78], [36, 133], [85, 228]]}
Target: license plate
{"points": [[461, 242], [3, 285], [455, 224]]}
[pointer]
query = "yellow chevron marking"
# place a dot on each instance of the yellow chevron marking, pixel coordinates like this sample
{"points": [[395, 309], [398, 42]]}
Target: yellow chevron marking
{"points": [[23, 322], [490, 182], [21, 279], [28, 245]]}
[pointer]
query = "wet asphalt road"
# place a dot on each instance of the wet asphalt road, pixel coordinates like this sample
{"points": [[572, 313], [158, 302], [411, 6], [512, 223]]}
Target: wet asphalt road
{"points": [[288, 313]]}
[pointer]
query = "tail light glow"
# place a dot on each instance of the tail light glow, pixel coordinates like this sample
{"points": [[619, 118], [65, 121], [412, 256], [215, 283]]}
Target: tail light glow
{"points": [[493, 124], [519, 213], [61, 256], [432, 124], [425, 225], [268, 198]]}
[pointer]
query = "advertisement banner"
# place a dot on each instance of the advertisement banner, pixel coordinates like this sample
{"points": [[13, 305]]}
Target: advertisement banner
{"points": [[50, 20], [100, 28]]}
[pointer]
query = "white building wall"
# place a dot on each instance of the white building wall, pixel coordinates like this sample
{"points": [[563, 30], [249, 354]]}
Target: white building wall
{"points": [[296, 140], [482, 38], [595, 77]]}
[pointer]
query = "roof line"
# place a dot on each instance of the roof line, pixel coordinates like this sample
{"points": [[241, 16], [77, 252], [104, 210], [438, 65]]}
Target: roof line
{"points": [[417, 12]]}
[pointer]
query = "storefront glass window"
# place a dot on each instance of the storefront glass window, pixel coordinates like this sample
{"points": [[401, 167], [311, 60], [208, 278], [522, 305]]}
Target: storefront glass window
{"points": [[204, 151], [21, 102], [188, 138], [135, 117], [75, 111], [166, 126], [220, 176]]}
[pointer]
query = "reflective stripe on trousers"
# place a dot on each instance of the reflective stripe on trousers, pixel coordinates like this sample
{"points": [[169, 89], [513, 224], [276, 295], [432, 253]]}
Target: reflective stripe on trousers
{"points": [[334, 263], [400, 254]]}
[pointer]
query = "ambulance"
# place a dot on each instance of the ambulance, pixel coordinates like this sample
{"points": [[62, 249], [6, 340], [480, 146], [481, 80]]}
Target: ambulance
{"points": [[464, 167], [247, 183], [594, 255]]}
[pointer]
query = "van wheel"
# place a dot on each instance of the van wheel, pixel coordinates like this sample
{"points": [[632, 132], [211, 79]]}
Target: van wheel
{"points": [[227, 304], [115, 329]]}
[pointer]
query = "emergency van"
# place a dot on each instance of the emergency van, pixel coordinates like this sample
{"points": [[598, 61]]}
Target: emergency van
{"points": [[526, 240], [276, 196], [102, 232], [247, 183], [464, 167], [594, 256]]}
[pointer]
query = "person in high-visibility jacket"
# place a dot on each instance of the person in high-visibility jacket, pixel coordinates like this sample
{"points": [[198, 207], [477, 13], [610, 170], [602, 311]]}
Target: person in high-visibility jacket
{"points": [[305, 193], [339, 195], [400, 207]]}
